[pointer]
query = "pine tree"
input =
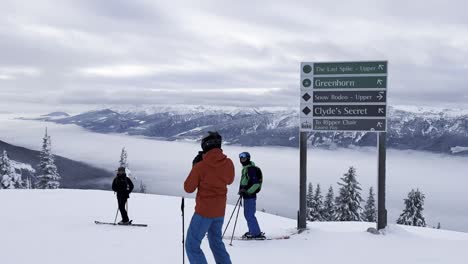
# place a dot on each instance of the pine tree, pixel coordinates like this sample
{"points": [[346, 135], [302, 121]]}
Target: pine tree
{"points": [[370, 213], [6, 172], [309, 197], [10, 178], [317, 206], [124, 163], [413, 213], [123, 158], [348, 202], [28, 184], [142, 187], [17, 180], [49, 177], [329, 206]]}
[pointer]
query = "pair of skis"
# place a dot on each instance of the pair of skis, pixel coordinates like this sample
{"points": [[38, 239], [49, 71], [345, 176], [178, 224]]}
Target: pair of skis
{"points": [[130, 224], [261, 239]]}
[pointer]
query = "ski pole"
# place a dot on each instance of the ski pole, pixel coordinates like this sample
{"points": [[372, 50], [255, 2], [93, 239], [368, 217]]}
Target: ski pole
{"points": [[235, 223], [116, 213], [182, 207], [233, 210]]}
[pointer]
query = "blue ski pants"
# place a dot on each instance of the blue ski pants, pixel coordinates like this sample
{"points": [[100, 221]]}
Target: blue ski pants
{"points": [[199, 226], [250, 207]]}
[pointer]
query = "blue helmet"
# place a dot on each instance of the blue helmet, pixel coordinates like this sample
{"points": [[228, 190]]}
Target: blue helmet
{"points": [[244, 155]]}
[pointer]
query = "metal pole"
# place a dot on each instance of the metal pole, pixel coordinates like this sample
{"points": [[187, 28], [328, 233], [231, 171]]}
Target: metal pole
{"points": [[235, 223], [381, 209], [182, 207], [116, 213], [234, 210], [302, 217]]}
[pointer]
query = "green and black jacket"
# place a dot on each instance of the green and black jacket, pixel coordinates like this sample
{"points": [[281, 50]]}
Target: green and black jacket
{"points": [[251, 180]]}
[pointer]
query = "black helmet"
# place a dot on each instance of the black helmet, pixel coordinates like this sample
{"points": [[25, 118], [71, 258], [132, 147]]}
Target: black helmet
{"points": [[121, 169], [211, 141]]}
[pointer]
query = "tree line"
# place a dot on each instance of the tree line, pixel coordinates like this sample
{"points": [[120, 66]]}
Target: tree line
{"points": [[348, 204], [47, 176]]}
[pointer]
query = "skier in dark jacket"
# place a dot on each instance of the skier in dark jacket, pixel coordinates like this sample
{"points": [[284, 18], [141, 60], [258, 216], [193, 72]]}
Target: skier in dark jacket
{"points": [[123, 186], [250, 185]]}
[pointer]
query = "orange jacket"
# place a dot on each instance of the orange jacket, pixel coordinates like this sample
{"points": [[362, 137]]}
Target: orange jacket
{"points": [[211, 176]]}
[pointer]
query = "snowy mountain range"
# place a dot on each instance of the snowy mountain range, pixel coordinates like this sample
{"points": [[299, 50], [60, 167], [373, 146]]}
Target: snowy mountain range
{"points": [[435, 130]]}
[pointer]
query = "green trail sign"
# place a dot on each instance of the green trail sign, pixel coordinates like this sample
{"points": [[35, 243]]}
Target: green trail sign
{"points": [[349, 110], [349, 82], [347, 96], [349, 124], [342, 68], [343, 96]]}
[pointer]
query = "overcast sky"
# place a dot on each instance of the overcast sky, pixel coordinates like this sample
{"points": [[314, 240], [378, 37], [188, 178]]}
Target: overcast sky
{"points": [[87, 53]]}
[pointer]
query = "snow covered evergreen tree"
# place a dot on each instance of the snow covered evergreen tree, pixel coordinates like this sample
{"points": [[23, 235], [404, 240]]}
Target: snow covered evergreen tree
{"points": [[11, 173], [17, 180], [28, 183], [316, 208], [413, 213], [142, 187], [48, 177], [123, 158], [124, 163], [328, 211], [348, 201], [370, 212], [6, 172], [310, 195]]}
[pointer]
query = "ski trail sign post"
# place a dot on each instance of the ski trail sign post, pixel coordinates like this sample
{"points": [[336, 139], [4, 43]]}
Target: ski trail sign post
{"points": [[340, 97]]}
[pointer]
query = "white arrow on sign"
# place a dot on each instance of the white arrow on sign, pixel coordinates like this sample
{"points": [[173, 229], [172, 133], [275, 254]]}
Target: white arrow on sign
{"points": [[381, 111], [379, 124], [381, 66], [380, 96], [379, 81]]}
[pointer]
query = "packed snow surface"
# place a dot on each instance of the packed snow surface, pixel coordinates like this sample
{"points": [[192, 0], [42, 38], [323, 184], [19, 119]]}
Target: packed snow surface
{"points": [[57, 226]]}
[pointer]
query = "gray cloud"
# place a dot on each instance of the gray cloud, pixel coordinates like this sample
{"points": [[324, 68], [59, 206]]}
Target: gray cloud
{"points": [[102, 52]]}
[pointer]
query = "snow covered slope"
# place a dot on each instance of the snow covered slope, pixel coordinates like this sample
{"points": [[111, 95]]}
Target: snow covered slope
{"points": [[56, 226]]}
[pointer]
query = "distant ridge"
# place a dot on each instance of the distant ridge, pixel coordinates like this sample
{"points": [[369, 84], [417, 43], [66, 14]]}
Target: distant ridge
{"points": [[409, 128]]}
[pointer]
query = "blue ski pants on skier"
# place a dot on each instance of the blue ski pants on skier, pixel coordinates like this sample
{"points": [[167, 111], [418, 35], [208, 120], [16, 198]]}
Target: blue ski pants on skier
{"points": [[250, 207], [199, 226]]}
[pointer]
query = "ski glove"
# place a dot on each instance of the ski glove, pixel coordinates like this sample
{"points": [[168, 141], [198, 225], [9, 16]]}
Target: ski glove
{"points": [[197, 158], [242, 191]]}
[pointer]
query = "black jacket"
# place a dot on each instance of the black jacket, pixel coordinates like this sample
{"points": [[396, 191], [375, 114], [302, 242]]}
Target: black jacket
{"points": [[122, 185]]}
